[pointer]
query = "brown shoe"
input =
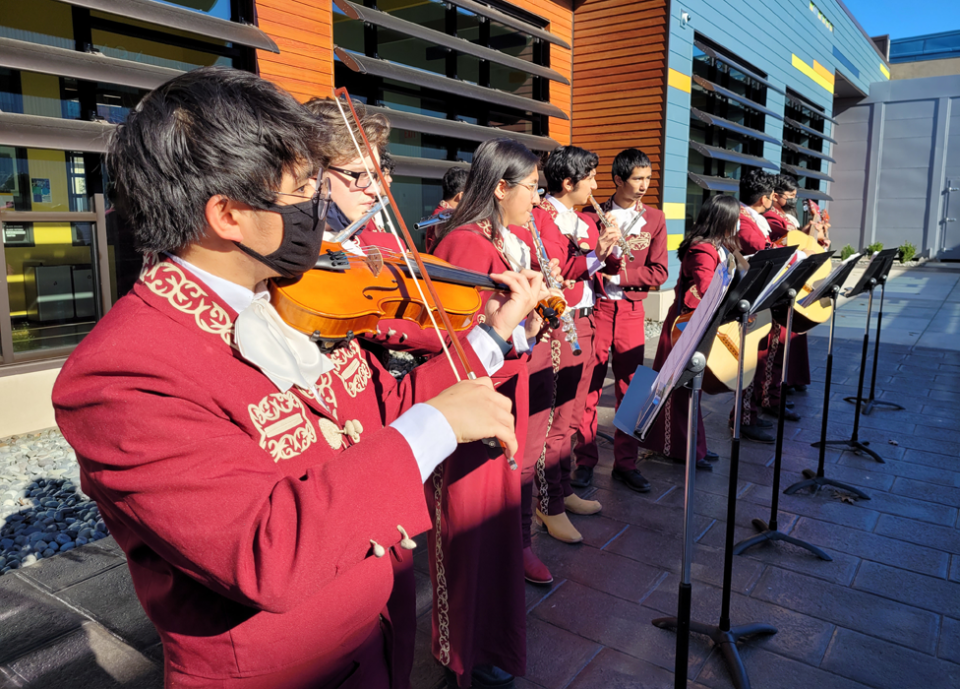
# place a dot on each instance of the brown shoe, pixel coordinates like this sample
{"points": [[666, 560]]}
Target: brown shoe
{"points": [[577, 505], [560, 527]]}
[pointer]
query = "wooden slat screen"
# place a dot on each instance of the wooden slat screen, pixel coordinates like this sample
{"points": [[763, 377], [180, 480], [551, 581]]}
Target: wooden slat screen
{"points": [[303, 30], [619, 83]]}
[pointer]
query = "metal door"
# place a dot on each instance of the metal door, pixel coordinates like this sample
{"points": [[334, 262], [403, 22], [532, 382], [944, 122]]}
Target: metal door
{"points": [[950, 222]]}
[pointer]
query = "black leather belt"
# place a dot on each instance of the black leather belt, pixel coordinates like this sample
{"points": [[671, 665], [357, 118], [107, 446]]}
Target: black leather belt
{"points": [[635, 289], [583, 313]]}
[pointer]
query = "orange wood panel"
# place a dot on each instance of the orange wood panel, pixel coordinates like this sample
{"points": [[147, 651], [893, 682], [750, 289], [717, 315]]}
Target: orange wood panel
{"points": [[303, 30]]}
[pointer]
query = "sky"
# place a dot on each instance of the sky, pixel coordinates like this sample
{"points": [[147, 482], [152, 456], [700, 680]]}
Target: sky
{"points": [[906, 19]]}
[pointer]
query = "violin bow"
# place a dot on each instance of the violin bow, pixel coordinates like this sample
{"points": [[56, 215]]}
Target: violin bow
{"points": [[410, 249]]}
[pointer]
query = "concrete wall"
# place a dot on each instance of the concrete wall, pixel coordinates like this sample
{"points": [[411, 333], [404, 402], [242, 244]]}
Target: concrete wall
{"points": [[25, 404], [897, 149], [925, 68]]}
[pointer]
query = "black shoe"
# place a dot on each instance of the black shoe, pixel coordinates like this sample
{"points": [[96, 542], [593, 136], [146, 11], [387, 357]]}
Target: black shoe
{"points": [[712, 456], [800, 388], [761, 423], [634, 480], [704, 465], [582, 477], [790, 405], [788, 414], [491, 677], [755, 433]]}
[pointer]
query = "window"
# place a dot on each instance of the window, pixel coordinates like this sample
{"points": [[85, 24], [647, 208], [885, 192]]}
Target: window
{"points": [[803, 153], [727, 124]]}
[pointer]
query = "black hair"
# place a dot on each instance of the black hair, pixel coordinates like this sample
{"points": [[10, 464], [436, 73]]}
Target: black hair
{"points": [[453, 181], [568, 162], [627, 161], [493, 160], [717, 224], [784, 183], [387, 163], [755, 184], [212, 131]]}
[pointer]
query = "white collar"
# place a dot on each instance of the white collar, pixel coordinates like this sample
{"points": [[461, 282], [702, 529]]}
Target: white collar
{"points": [[558, 204], [237, 297]]}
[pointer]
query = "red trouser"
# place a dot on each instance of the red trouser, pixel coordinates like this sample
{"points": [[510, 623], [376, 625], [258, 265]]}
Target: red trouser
{"points": [[573, 382], [620, 325], [542, 383]]}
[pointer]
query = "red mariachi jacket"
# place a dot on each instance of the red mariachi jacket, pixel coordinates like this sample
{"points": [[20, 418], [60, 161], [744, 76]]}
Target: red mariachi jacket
{"points": [[573, 256], [696, 273], [751, 236], [430, 233], [779, 225], [649, 248], [246, 513]]}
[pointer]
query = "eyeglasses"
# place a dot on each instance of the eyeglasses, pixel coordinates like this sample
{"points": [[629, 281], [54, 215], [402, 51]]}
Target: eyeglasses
{"points": [[316, 190], [361, 179], [534, 189]]}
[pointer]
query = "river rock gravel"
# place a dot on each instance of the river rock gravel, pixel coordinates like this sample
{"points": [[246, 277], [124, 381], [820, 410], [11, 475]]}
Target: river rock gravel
{"points": [[43, 512]]}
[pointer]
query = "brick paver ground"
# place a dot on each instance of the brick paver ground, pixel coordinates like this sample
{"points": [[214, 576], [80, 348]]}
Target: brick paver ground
{"points": [[885, 613]]}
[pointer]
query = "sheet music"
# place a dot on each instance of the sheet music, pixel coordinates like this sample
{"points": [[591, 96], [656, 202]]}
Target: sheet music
{"points": [[819, 292], [684, 349], [781, 275]]}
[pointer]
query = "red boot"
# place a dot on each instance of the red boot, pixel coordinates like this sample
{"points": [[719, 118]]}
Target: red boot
{"points": [[534, 570]]}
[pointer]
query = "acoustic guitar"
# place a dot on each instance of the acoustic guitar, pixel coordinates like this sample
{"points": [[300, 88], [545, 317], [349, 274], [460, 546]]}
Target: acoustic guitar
{"points": [[721, 373], [806, 318]]}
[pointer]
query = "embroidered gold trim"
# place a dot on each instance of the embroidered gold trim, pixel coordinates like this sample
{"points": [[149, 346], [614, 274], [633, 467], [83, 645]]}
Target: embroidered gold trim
{"points": [[284, 425], [351, 368], [167, 280], [639, 242], [695, 292], [442, 602], [331, 433], [555, 351]]}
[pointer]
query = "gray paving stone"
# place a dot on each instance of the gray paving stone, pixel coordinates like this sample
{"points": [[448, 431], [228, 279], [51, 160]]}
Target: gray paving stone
{"points": [[909, 507], [921, 490], [597, 529], [884, 665], [873, 547], [944, 395], [554, 655], [848, 608], [427, 672], [88, 657], [613, 670], [31, 617], [65, 569], [909, 530], [912, 470], [950, 640], [615, 623], [798, 636], [822, 506], [599, 569], [929, 593], [766, 669], [111, 600]]}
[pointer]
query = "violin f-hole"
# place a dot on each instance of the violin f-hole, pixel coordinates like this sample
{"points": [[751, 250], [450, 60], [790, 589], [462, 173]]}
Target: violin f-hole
{"points": [[380, 288]]}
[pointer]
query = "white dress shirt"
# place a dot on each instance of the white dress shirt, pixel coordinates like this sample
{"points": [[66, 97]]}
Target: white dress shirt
{"points": [[573, 226], [625, 217]]}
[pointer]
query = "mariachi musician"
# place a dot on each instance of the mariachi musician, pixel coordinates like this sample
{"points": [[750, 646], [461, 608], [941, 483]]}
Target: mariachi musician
{"points": [[452, 184], [299, 463]]}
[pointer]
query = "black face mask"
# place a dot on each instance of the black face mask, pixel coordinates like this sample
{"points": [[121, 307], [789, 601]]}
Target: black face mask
{"points": [[789, 204], [302, 238]]}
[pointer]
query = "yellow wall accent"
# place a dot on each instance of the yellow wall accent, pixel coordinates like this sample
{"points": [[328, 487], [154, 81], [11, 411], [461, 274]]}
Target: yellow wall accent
{"points": [[49, 164], [824, 72], [674, 241], [41, 94], [812, 73], [674, 211], [886, 72], [678, 80]]}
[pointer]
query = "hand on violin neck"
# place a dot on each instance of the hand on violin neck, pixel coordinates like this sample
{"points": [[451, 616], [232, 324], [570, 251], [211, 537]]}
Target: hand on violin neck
{"points": [[504, 312], [476, 411]]}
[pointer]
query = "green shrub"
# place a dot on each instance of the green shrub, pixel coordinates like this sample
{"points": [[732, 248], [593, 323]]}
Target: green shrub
{"points": [[907, 252], [846, 252], [873, 248]]}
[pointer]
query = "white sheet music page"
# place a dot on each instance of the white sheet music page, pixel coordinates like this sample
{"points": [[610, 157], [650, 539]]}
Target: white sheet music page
{"points": [[685, 347]]}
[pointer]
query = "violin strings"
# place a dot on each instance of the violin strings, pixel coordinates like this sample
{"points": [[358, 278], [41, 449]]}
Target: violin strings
{"points": [[393, 231]]}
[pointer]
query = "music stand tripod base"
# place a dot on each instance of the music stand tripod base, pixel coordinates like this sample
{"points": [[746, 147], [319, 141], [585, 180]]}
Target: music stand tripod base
{"points": [[815, 482], [869, 404], [858, 446]]}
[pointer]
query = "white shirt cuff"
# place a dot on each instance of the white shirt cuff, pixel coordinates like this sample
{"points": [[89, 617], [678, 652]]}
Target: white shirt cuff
{"points": [[487, 350], [429, 435], [520, 341], [594, 264]]}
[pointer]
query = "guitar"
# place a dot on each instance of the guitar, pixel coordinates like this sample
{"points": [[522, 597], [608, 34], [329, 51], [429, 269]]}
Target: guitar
{"points": [[806, 318], [721, 373]]}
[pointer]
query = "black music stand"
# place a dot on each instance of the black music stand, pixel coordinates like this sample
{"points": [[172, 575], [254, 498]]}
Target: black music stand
{"points": [[785, 296], [763, 266], [830, 289], [879, 265], [633, 417], [871, 401]]}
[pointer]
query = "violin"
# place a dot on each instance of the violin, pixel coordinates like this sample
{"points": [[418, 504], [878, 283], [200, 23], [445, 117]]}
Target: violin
{"points": [[346, 295]]}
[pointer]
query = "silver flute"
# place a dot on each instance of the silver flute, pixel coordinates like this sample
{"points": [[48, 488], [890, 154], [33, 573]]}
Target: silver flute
{"points": [[624, 247], [357, 225], [566, 318], [433, 220]]}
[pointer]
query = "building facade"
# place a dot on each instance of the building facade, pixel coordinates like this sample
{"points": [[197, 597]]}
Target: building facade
{"points": [[706, 89]]}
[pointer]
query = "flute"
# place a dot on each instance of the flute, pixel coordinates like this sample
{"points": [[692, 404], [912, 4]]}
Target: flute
{"points": [[358, 224], [624, 247], [569, 327], [433, 220]]}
